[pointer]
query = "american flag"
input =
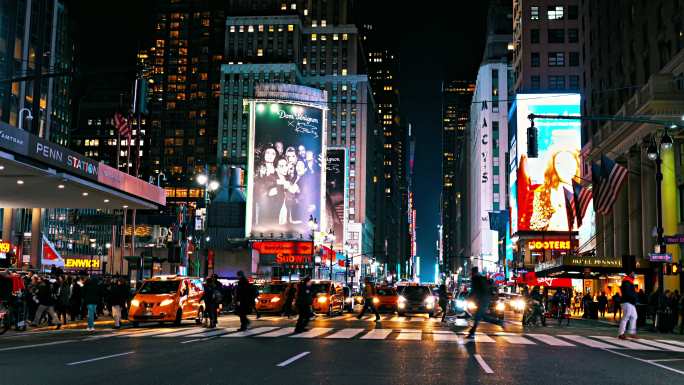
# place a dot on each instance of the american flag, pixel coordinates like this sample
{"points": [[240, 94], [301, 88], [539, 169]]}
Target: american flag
{"points": [[570, 208], [611, 179], [122, 125], [582, 196]]}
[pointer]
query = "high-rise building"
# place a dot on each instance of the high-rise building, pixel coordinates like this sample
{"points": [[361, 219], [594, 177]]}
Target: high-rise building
{"points": [[36, 52], [456, 98], [546, 45]]}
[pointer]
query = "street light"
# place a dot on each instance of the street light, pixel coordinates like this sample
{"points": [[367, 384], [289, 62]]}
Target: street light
{"points": [[209, 185], [21, 119], [202, 179], [331, 238]]}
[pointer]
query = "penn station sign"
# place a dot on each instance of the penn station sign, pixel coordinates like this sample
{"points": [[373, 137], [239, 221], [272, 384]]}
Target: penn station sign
{"points": [[63, 158]]}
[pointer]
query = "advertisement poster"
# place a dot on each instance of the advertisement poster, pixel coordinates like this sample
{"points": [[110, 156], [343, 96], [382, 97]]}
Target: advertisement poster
{"points": [[540, 183], [285, 169], [335, 193]]}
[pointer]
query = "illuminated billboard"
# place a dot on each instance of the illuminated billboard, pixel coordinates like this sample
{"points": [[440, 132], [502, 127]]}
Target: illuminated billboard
{"points": [[538, 186], [336, 193], [285, 169]]}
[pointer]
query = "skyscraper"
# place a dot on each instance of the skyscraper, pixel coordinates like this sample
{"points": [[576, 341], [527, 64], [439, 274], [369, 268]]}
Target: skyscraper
{"points": [[456, 98]]}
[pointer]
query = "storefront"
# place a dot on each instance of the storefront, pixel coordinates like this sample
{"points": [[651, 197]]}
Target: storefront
{"points": [[278, 259]]}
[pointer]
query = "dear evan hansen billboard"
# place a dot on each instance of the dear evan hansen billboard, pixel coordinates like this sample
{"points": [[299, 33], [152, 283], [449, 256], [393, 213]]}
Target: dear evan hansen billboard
{"points": [[286, 169], [336, 193]]}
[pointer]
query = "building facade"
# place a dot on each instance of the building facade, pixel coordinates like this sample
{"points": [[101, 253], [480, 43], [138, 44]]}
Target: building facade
{"points": [[457, 96]]}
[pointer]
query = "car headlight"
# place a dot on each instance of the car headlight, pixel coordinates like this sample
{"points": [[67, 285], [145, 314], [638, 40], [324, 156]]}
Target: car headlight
{"points": [[519, 304], [472, 305], [347, 300], [135, 302], [500, 306], [376, 301], [401, 298], [275, 299], [256, 300], [430, 300], [358, 299], [401, 305], [322, 299], [166, 302]]}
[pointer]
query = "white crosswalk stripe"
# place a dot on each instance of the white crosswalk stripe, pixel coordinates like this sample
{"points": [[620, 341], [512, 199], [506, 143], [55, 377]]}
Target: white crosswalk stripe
{"points": [[410, 334], [625, 344], [516, 340], [181, 333], [663, 346], [148, 333], [251, 332], [346, 333], [448, 337], [211, 333], [588, 342], [277, 333], [312, 333], [680, 343], [549, 340], [377, 334]]}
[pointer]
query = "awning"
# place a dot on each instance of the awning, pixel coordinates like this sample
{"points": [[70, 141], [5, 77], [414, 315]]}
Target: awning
{"points": [[531, 279]]}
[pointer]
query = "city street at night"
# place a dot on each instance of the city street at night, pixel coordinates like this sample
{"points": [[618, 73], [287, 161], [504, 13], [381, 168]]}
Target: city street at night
{"points": [[342, 350]]}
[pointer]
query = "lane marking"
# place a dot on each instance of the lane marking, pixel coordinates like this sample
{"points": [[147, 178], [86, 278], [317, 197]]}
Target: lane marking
{"points": [[624, 343], [661, 345], [646, 361], [314, 332], [483, 364], [277, 333], [588, 342], [251, 332], [99, 358], [680, 343], [377, 334], [346, 333], [667, 360], [549, 340], [292, 359], [36, 345]]}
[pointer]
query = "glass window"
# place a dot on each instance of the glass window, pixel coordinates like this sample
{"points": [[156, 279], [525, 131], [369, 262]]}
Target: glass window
{"points": [[573, 59], [556, 35], [572, 12], [535, 82], [556, 82], [555, 12], [573, 35], [573, 82], [556, 59], [534, 13], [534, 59], [534, 36]]}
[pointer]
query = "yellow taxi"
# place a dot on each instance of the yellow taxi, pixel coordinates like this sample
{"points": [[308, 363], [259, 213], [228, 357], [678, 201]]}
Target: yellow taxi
{"points": [[386, 298], [271, 297], [168, 298], [328, 297]]}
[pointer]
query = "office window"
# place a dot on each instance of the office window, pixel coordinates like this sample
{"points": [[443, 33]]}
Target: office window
{"points": [[534, 13], [573, 35], [534, 36], [556, 59], [534, 59], [555, 12], [573, 59], [573, 82], [556, 82], [572, 12], [556, 35], [535, 82], [290, 27]]}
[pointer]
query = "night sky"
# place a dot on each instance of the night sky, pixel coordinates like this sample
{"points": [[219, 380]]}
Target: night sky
{"points": [[437, 40]]}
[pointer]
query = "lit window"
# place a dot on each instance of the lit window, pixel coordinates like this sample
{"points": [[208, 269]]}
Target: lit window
{"points": [[556, 59], [290, 28], [345, 36], [283, 7], [306, 12], [324, 37], [314, 23], [314, 37], [555, 12], [323, 23], [344, 72], [260, 52], [293, 6], [232, 28], [261, 28], [242, 28], [304, 61], [270, 28], [534, 13], [344, 87], [336, 36], [250, 28]]}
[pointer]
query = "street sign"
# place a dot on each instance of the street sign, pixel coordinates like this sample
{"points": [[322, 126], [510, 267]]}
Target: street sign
{"points": [[674, 239], [660, 257]]}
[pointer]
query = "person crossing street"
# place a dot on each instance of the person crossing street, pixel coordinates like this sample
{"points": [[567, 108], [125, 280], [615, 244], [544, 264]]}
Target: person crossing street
{"points": [[629, 313], [304, 302], [368, 295], [245, 300], [481, 295]]}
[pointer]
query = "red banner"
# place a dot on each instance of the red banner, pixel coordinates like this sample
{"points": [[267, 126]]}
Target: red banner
{"points": [[284, 247], [531, 279]]}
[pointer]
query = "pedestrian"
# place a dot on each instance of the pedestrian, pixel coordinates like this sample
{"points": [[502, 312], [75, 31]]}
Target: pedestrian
{"points": [[628, 304], [368, 295], [480, 294], [91, 298], [304, 302], [564, 305], [617, 307], [212, 297], [76, 300], [443, 300], [47, 298], [289, 299], [63, 298], [602, 304], [245, 300], [118, 295]]}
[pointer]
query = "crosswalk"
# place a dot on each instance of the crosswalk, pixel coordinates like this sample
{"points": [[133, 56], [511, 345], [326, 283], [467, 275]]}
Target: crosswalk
{"points": [[417, 318], [403, 334]]}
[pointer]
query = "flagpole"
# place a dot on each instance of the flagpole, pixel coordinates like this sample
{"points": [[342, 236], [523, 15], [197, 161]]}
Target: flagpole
{"points": [[123, 241]]}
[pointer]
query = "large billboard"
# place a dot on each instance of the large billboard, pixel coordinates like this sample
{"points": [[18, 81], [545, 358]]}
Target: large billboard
{"points": [[336, 193], [538, 185], [285, 169]]}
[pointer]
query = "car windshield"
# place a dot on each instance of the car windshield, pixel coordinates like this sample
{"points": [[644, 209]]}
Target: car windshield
{"points": [[272, 289], [318, 288], [159, 287], [387, 292], [417, 292]]}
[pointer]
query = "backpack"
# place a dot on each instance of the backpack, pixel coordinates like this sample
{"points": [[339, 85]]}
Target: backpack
{"points": [[217, 296]]}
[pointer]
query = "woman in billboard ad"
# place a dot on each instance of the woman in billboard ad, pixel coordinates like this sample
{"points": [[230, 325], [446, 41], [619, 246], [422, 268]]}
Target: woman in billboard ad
{"points": [[286, 179], [549, 204]]}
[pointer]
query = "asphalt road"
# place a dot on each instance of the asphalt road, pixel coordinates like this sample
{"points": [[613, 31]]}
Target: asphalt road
{"points": [[340, 350]]}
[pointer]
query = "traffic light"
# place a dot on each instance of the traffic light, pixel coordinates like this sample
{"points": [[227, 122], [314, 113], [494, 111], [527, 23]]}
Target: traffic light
{"points": [[532, 147], [672, 268]]}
